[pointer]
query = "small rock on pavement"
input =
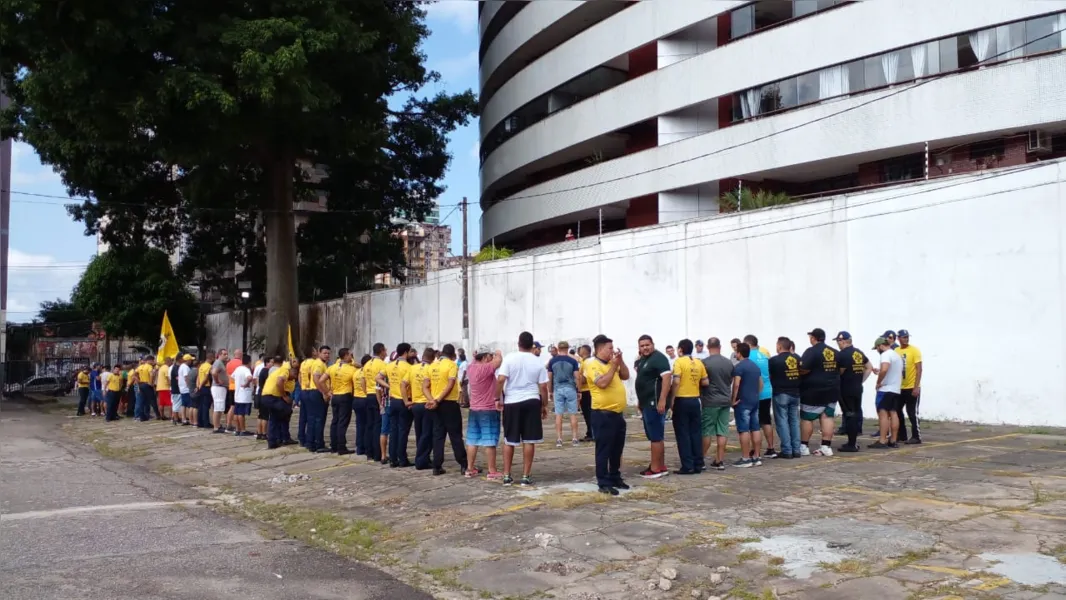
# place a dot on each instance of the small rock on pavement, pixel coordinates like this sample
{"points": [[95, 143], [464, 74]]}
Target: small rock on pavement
{"points": [[716, 579], [696, 594], [714, 598], [665, 584], [668, 573], [544, 539], [652, 584], [722, 569]]}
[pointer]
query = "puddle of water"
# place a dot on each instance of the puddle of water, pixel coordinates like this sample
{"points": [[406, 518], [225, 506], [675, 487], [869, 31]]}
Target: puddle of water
{"points": [[564, 488], [1027, 568], [801, 555]]}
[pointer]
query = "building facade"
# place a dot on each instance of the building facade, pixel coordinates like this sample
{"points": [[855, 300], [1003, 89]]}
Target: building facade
{"points": [[600, 116], [427, 248]]}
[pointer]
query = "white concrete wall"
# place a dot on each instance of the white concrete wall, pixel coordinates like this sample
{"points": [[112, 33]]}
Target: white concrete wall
{"points": [[974, 266]]}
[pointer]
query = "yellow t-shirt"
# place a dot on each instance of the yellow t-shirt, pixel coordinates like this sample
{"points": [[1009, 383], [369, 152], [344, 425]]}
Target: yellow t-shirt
{"points": [[370, 372], [144, 374], [203, 373], [162, 378], [358, 383], [396, 371], [270, 388], [305, 374], [115, 383], [584, 387], [83, 380], [415, 375], [612, 397], [439, 374], [689, 373], [912, 357], [340, 377]]}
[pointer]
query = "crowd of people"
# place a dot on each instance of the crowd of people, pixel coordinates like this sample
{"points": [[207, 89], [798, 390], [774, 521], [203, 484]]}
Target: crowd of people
{"points": [[773, 399]]}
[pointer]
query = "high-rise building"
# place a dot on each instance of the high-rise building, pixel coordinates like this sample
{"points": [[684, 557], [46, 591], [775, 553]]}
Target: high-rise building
{"points": [[426, 246], [609, 115]]}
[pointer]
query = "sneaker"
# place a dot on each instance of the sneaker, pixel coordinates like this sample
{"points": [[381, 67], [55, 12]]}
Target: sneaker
{"points": [[875, 435], [494, 475], [742, 463], [824, 451], [219, 430], [439, 471], [847, 448], [575, 443], [471, 473], [718, 466], [684, 472], [770, 453], [913, 441], [894, 445], [878, 445], [558, 443], [610, 491], [231, 429], [527, 481], [649, 474], [622, 485], [805, 451], [757, 461], [508, 480]]}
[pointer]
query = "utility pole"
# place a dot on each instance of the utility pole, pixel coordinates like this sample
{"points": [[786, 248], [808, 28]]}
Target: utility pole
{"points": [[466, 282]]}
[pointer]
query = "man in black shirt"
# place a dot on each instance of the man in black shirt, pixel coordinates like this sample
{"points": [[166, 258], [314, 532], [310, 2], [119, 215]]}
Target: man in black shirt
{"points": [[819, 392], [785, 381], [854, 369]]}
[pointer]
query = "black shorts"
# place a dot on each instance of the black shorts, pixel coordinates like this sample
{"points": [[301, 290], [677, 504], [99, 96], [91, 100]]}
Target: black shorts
{"points": [[819, 397], [521, 423], [764, 412], [229, 400], [850, 404], [586, 400], [890, 402], [264, 410]]}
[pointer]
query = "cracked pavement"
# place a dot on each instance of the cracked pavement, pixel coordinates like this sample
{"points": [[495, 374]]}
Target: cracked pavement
{"points": [[975, 512]]}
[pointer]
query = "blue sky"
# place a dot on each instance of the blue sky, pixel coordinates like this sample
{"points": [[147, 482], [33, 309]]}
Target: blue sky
{"points": [[48, 250]]}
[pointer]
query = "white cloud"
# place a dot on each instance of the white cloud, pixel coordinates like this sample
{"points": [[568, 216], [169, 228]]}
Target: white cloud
{"points": [[475, 151], [27, 170], [34, 278], [457, 70], [462, 13]]}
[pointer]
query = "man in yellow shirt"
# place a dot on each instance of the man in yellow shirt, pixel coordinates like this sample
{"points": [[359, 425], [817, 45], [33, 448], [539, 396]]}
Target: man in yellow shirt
{"points": [[314, 399], [378, 426], [442, 388], [689, 375], [400, 418], [114, 389], [83, 390], [204, 402], [341, 375], [146, 400], [277, 397], [419, 414], [585, 400], [359, 403], [162, 389], [911, 388], [604, 374]]}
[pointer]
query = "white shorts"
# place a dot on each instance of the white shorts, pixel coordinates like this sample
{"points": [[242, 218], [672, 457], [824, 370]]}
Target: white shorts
{"points": [[218, 396]]}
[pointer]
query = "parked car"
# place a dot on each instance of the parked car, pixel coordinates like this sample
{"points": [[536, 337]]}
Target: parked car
{"points": [[48, 385]]}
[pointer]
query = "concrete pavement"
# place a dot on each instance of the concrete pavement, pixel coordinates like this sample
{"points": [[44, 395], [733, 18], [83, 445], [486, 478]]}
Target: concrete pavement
{"points": [[75, 525]]}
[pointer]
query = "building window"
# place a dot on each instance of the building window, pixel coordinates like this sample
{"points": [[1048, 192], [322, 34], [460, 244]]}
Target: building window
{"points": [[903, 168], [742, 21], [988, 149], [1045, 34]]}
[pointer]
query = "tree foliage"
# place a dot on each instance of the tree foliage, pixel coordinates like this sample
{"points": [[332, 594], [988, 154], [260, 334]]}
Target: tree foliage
{"points": [[127, 290], [492, 253], [192, 125], [748, 199], [61, 318]]}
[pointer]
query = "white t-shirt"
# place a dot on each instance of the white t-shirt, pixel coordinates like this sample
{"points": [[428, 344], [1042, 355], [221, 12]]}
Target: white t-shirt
{"points": [[255, 375], [700, 355], [103, 379], [242, 392], [894, 374], [524, 372], [183, 378]]}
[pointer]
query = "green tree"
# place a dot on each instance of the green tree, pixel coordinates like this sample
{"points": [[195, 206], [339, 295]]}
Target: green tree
{"points": [[61, 318], [127, 290], [492, 253], [192, 123], [751, 200]]}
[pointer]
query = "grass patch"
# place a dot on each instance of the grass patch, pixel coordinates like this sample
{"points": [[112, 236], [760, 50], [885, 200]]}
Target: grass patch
{"points": [[910, 557], [775, 572], [162, 439], [448, 576], [166, 469], [848, 566], [770, 524], [117, 452], [566, 500], [1036, 430], [732, 542], [357, 538], [741, 592], [776, 561], [1001, 473], [690, 540], [747, 555]]}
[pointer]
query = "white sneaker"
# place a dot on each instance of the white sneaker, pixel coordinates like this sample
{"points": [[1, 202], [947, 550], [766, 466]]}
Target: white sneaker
{"points": [[805, 451], [558, 443], [824, 451]]}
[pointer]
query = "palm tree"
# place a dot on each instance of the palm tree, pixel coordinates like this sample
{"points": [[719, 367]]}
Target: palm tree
{"points": [[751, 200]]}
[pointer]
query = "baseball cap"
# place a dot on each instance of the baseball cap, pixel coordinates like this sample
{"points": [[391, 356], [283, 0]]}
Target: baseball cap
{"points": [[187, 357], [538, 345], [903, 333], [843, 335], [889, 332], [817, 332], [699, 342], [879, 341], [482, 351]]}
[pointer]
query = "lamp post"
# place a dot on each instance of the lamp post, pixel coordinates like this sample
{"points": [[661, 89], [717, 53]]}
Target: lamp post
{"points": [[244, 286]]}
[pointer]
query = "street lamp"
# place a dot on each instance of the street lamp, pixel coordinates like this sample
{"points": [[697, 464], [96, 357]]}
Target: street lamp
{"points": [[244, 286]]}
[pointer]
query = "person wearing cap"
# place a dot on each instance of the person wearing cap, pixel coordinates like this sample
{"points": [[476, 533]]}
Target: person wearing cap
{"points": [[699, 352], [819, 393], [605, 373], [537, 348], [524, 384], [889, 378], [184, 390], [854, 369], [891, 337], [911, 388], [483, 420], [689, 375]]}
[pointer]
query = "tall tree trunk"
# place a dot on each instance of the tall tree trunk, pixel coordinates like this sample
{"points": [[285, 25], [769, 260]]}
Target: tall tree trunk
{"points": [[279, 224]]}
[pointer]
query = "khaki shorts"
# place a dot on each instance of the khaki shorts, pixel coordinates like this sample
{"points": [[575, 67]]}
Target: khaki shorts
{"points": [[715, 421]]}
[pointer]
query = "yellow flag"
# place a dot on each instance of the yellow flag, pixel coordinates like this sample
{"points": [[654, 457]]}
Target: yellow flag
{"points": [[292, 353], [168, 344]]}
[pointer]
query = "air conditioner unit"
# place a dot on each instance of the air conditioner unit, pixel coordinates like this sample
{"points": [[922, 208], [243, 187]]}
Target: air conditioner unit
{"points": [[1039, 142]]}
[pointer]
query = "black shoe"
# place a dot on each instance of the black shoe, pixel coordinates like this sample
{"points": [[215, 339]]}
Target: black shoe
{"points": [[386, 461], [392, 465], [893, 445], [879, 445], [684, 472], [718, 466], [462, 469], [913, 441], [219, 430], [783, 455], [439, 471], [231, 429], [273, 447], [322, 451], [770, 453], [621, 485], [186, 424], [345, 452], [606, 489], [847, 448], [406, 465], [419, 467], [288, 443]]}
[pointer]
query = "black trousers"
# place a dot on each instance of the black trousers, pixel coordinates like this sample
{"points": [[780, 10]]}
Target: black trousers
{"points": [[359, 404], [400, 430], [851, 407], [586, 412], [447, 420], [83, 399], [909, 402], [280, 416], [372, 428], [423, 422], [338, 426], [610, 442]]}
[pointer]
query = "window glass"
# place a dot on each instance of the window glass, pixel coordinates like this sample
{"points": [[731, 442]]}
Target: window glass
{"points": [[807, 87], [804, 7], [966, 55], [949, 54], [742, 21], [875, 76], [1040, 35], [904, 64], [857, 76], [903, 167], [1010, 40]]}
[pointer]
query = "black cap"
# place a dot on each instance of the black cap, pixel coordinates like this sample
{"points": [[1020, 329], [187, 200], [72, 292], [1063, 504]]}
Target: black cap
{"points": [[818, 333]]}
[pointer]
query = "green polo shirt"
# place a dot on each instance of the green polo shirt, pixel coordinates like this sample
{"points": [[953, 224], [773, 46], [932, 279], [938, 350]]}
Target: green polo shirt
{"points": [[649, 383]]}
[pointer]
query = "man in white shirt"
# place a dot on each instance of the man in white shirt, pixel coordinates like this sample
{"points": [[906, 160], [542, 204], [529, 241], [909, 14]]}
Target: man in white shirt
{"points": [[188, 408], [523, 381], [700, 352], [243, 387], [889, 380]]}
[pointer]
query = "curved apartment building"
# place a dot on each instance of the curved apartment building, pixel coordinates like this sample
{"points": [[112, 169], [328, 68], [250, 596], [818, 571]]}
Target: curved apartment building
{"points": [[607, 114]]}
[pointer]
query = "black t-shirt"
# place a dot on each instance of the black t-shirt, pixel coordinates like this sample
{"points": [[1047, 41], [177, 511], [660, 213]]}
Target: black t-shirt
{"points": [[649, 383], [852, 363], [821, 362], [784, 373], [264, 374]]}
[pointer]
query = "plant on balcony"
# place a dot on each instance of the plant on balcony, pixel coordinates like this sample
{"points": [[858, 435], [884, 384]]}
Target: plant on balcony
{"points": [[492, 253], [751, 200]]}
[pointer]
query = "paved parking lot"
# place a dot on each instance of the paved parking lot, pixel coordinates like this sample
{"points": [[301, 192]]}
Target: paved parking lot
{"points": [[975, 512]]}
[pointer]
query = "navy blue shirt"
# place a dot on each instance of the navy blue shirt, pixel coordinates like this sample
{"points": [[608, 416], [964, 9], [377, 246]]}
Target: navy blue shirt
{"points": [[562, 368], [750, 376]]}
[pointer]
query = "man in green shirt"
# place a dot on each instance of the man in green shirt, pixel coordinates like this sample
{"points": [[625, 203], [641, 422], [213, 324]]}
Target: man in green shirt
{"points": [[653, 384]]}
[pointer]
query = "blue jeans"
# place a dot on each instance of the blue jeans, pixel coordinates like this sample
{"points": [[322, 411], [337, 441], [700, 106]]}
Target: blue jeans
{"points": [[686, 419], [786, 411], [314, 407]]}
